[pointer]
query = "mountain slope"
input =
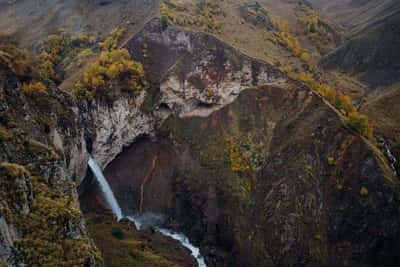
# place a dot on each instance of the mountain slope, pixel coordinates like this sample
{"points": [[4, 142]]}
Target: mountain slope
{"points": [[370, 52], [96, 18], [355, 15]]}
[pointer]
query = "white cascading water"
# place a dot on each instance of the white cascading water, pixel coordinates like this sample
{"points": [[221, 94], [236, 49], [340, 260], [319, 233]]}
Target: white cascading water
{"points": [[186, 243], [386, 149], [150, 219], [392, 158], [138, 220], [106, 189]]}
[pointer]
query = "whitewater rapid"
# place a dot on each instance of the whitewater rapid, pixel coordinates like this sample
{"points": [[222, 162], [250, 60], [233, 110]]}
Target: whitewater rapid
{"points": [[143, 221]]}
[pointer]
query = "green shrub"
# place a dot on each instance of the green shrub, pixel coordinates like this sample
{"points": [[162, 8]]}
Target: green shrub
{"points": [[111, 42], [364, 191], [84, 55], [164, 22], [361, 124], [331, 161], [54, 48], [118, 233], [17, 59]]}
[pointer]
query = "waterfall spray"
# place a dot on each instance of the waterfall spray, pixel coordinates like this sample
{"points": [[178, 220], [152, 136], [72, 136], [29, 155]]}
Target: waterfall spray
{"points": [[106, 189]]}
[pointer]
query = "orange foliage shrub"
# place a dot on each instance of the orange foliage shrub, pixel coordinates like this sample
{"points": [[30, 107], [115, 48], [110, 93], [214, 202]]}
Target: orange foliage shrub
{"points": [[34, 88], [341, 102], [115, 65], [361, 124], [54, 47], [111, 42], [17, 59]]}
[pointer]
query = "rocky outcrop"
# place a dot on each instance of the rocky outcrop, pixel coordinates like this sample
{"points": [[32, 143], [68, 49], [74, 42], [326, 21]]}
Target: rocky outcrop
{"points": [[197, 74], [108, 129], [118, 126]]}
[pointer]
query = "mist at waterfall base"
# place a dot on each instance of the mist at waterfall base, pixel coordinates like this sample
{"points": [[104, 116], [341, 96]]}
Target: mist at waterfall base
{"points": [[142, 221]]}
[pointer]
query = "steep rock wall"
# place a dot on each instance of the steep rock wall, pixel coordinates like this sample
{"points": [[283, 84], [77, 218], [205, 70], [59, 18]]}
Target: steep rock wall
{"points": [[45, 143]]}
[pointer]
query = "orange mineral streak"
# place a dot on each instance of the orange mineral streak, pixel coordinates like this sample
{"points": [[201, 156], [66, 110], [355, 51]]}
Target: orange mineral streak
{"points": [[145, 180]]}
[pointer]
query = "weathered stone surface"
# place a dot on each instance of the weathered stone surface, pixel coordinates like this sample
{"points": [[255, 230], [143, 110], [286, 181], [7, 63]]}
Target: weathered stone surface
{"points": [[197, 73]]}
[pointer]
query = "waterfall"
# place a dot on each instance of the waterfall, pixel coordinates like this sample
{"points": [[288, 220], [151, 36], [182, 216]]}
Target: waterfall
{"points": [[142, 221], [106, 189]]}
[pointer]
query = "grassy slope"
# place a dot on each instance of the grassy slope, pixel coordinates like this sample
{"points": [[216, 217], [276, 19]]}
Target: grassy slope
{"points": [[136, 248], [384, 111]]}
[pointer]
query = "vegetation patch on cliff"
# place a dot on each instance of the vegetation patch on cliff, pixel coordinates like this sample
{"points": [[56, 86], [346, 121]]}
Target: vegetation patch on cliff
{"points": [[200, 13], [114, 68]]}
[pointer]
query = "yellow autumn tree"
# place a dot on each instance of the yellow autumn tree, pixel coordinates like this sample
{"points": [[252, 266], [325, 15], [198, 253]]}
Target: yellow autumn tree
{"points": [[34, 88], [17, 59], [54, 47], [111, 42], [361, 124], [112, 66], [45, 70]]}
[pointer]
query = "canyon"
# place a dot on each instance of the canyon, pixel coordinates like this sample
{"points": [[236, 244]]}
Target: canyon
{"points": [[222, 160]]}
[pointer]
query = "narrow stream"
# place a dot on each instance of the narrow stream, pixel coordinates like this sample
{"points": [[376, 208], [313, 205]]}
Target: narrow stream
{"points": [[143, 221], [386, 149]]}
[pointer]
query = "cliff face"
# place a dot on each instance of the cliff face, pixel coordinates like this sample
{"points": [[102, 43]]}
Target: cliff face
{"points": [[40, 219], [196, 73], [45, 142], [268, 177]]}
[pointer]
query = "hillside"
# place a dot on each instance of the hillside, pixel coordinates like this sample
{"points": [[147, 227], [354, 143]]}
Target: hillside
{"points": [[96, 18], [372, 36], [382, 109], [368, 61], [372, 54], [355, 15]]}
